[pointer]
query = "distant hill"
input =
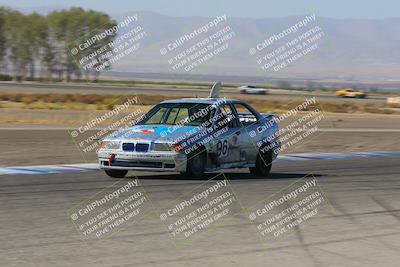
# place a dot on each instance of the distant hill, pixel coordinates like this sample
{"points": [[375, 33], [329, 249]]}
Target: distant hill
{"points": [[351, 48]]}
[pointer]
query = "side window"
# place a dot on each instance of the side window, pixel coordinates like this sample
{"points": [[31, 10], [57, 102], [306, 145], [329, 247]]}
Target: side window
{"points": [[246, 117], [226, 117]]}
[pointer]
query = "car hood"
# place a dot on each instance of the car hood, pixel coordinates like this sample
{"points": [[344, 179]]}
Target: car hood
{"points": [[154, 133]]}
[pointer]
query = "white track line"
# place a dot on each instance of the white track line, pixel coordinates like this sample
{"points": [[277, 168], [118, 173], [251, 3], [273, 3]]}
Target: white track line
{"points": [[82, 167]]}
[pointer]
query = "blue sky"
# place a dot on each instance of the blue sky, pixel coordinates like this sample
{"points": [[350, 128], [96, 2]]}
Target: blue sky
{"points": [[233, 8]]}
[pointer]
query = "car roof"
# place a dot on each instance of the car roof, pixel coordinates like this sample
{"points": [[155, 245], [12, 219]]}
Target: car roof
{"points": [[201, 100]]}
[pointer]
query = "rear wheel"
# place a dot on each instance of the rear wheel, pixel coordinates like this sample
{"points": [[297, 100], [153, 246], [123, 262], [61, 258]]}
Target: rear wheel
{"points": [[116, 173], [196, 165], [263, 164]]}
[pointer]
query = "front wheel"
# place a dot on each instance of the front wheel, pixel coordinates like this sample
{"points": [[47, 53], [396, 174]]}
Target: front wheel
{"points": [[263, 164], [116, 173], [196, 165]]}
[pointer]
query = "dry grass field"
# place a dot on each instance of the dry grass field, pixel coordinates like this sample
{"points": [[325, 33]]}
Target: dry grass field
{"points": [[57, 101]]}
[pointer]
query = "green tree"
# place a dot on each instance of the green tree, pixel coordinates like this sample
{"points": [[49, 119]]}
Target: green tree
{"points": [[33, 40], [98, 23], [37, 38], [69, 27], [16, 42], [2, 35]]}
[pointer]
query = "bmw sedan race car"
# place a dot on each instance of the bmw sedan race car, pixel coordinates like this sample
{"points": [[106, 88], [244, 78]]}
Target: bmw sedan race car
{"points": [[193, 136]]}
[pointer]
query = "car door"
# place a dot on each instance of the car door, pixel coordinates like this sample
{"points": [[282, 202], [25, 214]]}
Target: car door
{"points": [[248, 123], [226, 136]]}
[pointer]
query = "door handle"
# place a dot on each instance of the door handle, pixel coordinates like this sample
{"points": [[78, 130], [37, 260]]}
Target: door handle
{"points": [[237, 133]]}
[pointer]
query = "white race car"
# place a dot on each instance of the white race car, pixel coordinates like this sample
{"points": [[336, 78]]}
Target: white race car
{"points": [[249, 89]]}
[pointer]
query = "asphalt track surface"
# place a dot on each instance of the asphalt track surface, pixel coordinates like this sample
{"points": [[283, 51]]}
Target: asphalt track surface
{"points": [[109, 89], [362, 227]]}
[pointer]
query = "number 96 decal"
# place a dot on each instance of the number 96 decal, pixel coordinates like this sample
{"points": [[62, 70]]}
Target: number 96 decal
{"points": [[222, 148]]}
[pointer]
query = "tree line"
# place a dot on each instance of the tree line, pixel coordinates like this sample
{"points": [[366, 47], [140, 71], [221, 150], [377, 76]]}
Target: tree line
{"points": [[35, 46]]}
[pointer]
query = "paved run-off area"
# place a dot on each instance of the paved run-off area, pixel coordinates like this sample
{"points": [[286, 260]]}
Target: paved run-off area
{"points": [[362, 227]]}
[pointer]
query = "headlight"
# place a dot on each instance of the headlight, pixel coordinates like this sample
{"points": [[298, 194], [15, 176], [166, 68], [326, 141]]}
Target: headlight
{"points": [[110, 144], [161, 147]]}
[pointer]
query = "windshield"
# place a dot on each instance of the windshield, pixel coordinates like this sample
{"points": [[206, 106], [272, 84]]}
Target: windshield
{"points": [[183, 114]]}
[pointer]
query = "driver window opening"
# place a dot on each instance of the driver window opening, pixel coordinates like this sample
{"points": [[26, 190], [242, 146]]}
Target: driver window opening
{"points": [[246, 117], [226, 117]]}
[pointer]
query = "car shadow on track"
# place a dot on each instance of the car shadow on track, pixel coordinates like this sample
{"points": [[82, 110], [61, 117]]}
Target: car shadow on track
{"points": [[221, 176]]}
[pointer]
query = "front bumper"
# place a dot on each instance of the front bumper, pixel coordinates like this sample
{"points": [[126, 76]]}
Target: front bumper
{"points": [[143, 161]]}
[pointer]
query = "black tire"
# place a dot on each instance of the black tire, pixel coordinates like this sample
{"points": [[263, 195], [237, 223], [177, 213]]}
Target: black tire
{"points": [[116, 173], [263, 164], [196, 165]]}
